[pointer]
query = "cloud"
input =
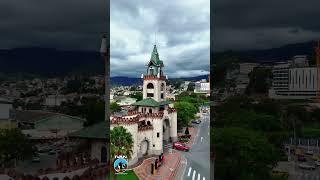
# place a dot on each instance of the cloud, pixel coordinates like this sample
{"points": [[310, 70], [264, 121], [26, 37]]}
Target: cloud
{"points": [[247, 24], [72, 24], [180, 28]]}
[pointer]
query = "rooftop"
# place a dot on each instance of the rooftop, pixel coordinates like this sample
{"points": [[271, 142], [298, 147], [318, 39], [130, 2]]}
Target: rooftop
{"points": [[151, 103], [96, 131]]}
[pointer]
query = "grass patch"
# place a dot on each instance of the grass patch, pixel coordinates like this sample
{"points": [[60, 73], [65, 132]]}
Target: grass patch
{"points": [[130, 175]]}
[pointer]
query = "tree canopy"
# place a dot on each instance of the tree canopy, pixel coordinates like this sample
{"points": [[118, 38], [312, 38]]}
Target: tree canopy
{"points": [[14, 145], [242, 154], [121, 142]]}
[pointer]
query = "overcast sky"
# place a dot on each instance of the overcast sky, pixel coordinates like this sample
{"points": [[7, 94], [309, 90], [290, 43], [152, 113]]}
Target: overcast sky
{"points": [[182, 36], [252, 24], [62, 24]]}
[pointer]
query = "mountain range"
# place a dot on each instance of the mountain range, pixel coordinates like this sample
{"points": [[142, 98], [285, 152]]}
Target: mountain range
{"points": [[128, 81], [282, 53], [49, 61]]}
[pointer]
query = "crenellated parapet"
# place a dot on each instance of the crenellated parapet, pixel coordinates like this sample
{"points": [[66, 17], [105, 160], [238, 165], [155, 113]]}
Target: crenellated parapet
{"points": [[130, 113], [151, 115], [136, 119], [153, 77], [125, 120], [171, 110]]}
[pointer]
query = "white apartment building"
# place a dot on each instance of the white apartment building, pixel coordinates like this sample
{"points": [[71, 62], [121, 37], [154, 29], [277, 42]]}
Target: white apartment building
{"points": [[294, 79]]}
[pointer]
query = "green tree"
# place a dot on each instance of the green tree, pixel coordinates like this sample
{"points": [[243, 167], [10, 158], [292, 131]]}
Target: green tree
{"points": [[242, 154], [14, 146], [185, 112], [114, 107], [95, 112], [121, 142], [191, 86], [259, 81]]}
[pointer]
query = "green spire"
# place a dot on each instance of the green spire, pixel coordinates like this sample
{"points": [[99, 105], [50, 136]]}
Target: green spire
{"points": [[155, 56]]}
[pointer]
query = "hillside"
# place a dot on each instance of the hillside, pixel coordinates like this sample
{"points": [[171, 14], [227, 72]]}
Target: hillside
{"points": [[50, 62]]}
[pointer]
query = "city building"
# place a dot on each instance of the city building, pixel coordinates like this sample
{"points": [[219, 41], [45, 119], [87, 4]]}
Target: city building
{"points": [[153, 122], [54, 100], [294, 79], [39, 124], [202, 87], [5, 113], [242, 80]]}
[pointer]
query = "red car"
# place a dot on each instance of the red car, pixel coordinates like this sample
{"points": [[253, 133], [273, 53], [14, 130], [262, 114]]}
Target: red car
{"points": [[302, 158], [180, 146]]}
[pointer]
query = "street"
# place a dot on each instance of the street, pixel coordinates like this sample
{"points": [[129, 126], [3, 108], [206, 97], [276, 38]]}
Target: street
{"points": [[198, 158], [297, 173]]}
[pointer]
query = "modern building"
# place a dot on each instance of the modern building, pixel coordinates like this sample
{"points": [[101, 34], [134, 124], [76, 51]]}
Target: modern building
{"points": [[202, 87], [54, 100], [242, 80], [5, 113], [294, 79], [153, 122]]}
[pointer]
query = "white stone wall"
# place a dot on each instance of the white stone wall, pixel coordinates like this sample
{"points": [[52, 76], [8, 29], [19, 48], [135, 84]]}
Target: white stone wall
{"points": [[157, 141], [96, 149], [145, 135], [156, 91], [174, 126]]}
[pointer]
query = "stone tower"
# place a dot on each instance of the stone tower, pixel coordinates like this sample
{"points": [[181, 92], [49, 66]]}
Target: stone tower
{"points": [[154, 84]]}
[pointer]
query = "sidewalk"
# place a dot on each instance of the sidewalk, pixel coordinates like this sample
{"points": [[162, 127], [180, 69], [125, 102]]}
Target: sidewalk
{"points": [[193, 131], [165, 172]]}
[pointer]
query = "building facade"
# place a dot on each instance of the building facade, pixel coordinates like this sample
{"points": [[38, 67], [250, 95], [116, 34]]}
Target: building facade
{"points": [[153, 120], [294, 79]]}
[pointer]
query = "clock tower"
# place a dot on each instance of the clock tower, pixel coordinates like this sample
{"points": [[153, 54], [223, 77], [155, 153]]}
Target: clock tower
{"points": [[154, 84]]}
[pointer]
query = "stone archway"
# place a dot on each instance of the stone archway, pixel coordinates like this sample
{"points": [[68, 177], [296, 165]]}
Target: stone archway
{"points": [[104, 155], [144, 148]]}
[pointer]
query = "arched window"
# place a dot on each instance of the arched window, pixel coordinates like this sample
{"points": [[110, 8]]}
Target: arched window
{"points": [[149, 123], [150, 86], [162, 87], [150, 110], [151, 71]]}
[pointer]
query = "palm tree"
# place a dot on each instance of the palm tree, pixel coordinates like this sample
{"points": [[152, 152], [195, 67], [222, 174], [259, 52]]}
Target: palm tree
{"points": [[121, 142]]}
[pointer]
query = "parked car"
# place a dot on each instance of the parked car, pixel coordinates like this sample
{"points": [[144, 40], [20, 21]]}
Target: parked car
{"points": [[302, 158], [198, 121], [306, 166], [316, 157], [180, 146], [35, 159], [52, 152], [309, 152], [280, 173], [317, 162]]}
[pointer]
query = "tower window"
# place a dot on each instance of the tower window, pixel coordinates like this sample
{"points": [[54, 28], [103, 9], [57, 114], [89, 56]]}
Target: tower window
{"points": [[150, 86], [158, 134], [161, 95], [150, 110], [149, 94], [162, 87]]}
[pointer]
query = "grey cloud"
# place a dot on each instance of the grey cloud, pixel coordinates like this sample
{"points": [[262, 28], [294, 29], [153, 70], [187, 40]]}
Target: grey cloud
{"points": [[72, 24], [177, 26], [261, 24]]}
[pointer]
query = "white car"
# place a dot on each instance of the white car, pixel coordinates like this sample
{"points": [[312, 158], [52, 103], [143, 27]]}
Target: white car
{"points": [[317, 162], [309, 152], [35, 159], [306, 166]]}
